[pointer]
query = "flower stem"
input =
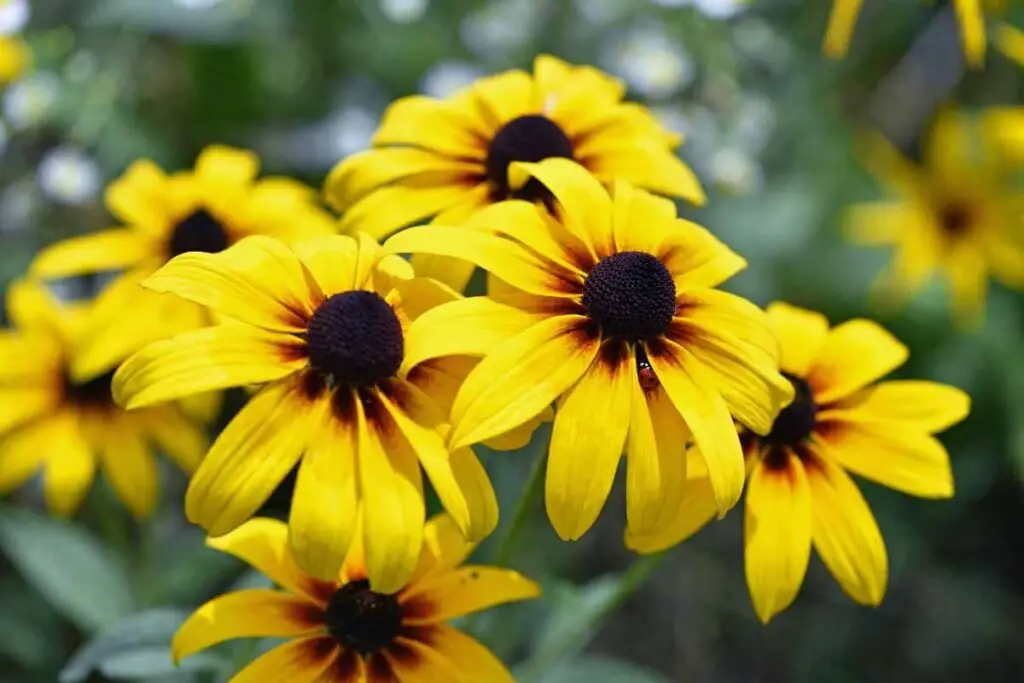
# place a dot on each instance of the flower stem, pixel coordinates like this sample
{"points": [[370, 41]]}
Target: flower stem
{"points": [[521, 515]]}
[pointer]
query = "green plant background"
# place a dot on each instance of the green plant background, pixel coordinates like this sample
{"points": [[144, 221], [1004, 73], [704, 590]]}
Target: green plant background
{"points": [[770, 129]]}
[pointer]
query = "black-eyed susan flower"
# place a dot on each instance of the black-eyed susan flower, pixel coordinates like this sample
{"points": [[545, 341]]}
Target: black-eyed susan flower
{"points": [[324, 329], [956, 213], [608, 309], [970, 15], [447, 159], [67, 429], [800, 494], [343, 631], [205, 210]]}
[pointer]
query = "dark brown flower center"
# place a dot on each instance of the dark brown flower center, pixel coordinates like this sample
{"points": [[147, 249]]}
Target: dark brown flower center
{"points": [[630, 295], [797, 420], [955, 218], [355, 338], [94, 393], [527, 138], [199, 231], [362, 620]]}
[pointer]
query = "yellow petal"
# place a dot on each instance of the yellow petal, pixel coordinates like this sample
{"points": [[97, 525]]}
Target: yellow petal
{"points": [[472, 327], [840, 27], [326, 500], [504, 96], [874, 223], [107, 250], [972, 30], [458, 478], [926, 406], [801, 334], [427, 123], [587, 207], [32, 308], [177, 436], [846, 535], [1010, 42], [130, 467], [641, 220], [22, 405], [469, 657], [889, 165], [258, 280], [263, 544], [776, 535], [968, 281], [393, 507], [299, 661], [528, 223], [520, 378], [333, 261], [23, 452], [444, 547], [506, 259], [649, 166], [444, 596], [70, 466], [706, 413], [389, 209], [251, 457], [587, 442], [227, 168], [894, 455], [731, 338], [140, 198], [656, 466], [696, 258], [853, 355], [205, 360], [412, 298], [244, 614], [696, 509]]}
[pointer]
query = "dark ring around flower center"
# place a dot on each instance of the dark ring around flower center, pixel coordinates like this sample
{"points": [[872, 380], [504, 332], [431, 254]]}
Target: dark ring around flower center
{"points": [[362, 620], [199, 231], [95, 393], [796, 422], [527, 138], [630, 295], [355, 338]]}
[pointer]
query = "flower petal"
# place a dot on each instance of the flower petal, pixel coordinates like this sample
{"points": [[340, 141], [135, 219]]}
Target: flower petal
{"points": [[24, 452], [22, 405], [506, 259], [473, 660], [529, 224], [777, 534], [227, 168], [520, 378], [845, 533], [258, 280], [927, 406], [444, 596], [471, 327], [641, 220], [251, 456], [444, 547], [707, 415], [262, 543], [116, 249], [696, 509], [973, 32], [70, 465], [840, 27], [587, 441], [801, 335], [854, 354], [649, 166], [431, 124], [393, 507], [299, 661], [204, 360], [129, 466], [333, 262], [325, 504], [140, 198], [389, 209], [696, 258], [177, 436], [245, 614]]}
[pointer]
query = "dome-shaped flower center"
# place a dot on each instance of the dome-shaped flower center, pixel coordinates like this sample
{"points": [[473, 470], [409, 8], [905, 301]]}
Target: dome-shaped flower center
{"points": [[955, 218], [93, 393], [527, 138], [797, 420], [355, 338], [630, 295], [362, 620], [199, 231]]}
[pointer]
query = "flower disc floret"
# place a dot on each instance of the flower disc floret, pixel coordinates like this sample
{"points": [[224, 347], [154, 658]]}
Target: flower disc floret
{"points": [[362, 620], [630, 295], [355, 339], [528, 138], [199, 231]]}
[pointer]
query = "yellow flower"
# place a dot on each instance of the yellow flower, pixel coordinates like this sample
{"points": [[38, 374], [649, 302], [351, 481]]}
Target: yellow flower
{"points": [[448, 159], [341, 630], [204, 210], [65, 428], [614, 315], [957, 213], [324, 328], [15, 58], [799, 494], [969, 13]]}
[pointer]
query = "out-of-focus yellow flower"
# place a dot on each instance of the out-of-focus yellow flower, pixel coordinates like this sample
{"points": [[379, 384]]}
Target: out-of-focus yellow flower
{"points": [[324, 329], [448, 159], [957, 212], [204, 210], [609, 309], [969, 13], [15, 58], [799, 494], [343, 631], [66, 428]]}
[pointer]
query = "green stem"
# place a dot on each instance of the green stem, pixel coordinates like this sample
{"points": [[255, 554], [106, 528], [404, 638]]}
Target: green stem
{"points": [[521, 515]]}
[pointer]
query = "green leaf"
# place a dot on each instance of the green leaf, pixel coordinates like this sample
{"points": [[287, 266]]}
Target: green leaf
{"points": [[76, 574], [144, 663], [595, 669]]}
